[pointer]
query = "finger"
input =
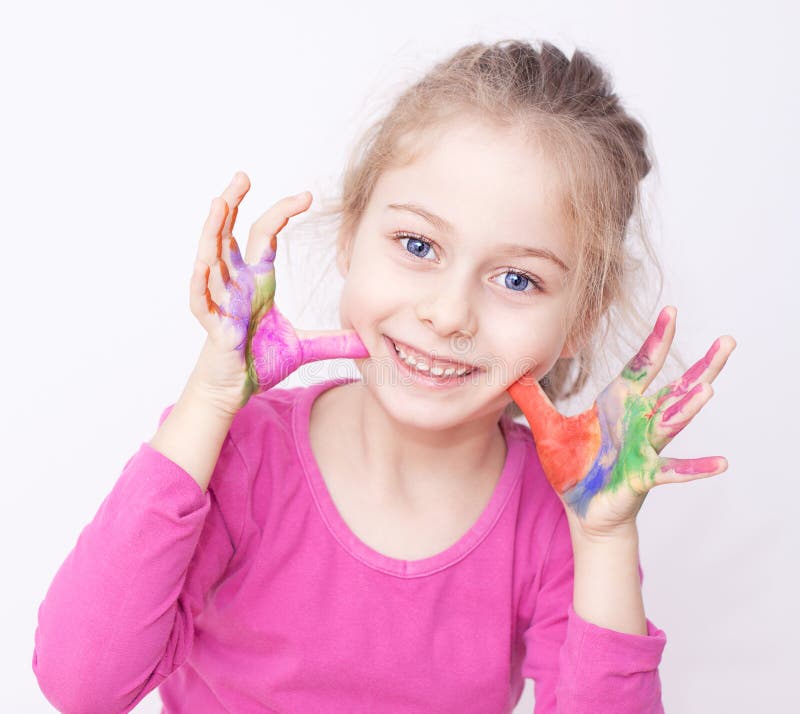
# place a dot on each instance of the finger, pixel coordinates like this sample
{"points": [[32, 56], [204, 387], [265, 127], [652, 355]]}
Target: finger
{"points": [[330, 344], [565, 445], [704, 371], [640, 371], [707, 367], [218, 280], [233, 195], [262, 242], [208, 249], [530, 396], [201, 303], [678, 413], [682, 470], [540, 412], [233, 255]]}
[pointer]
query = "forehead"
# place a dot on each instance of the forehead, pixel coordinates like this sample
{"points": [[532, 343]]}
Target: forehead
{"points": [[489, 182]]}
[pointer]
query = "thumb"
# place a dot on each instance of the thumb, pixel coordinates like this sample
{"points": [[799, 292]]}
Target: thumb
{"points": [[330, 344], [534, 403], [566, 446]]}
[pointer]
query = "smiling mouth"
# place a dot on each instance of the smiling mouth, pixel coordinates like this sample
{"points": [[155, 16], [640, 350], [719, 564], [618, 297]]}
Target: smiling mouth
{"points": [[434, 369]]}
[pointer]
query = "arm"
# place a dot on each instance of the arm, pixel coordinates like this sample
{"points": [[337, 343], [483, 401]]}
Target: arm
{"points": [[602, 463], [192, 435], [118, 617], [577, 665], [607, 590]]}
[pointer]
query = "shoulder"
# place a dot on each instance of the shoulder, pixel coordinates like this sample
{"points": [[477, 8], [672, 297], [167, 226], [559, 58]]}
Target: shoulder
{"points": [[261, 442], [267, 418], [260, 439]]}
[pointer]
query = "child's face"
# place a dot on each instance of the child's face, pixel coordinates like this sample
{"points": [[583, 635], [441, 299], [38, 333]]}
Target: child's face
{"points": [[455, 294]]}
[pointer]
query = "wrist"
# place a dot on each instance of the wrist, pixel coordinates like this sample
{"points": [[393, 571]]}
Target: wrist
{"points": [[619, 547], [604, 537], [216, 407], [217, 382], [192, 435], [615, 538]]}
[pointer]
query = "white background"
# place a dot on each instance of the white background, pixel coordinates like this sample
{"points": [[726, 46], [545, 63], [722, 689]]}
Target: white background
{"points": [[120, 123]]}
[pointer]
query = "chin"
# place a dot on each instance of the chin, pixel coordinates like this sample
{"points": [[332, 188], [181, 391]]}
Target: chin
{"points": [[413, 406], [411, 413]]}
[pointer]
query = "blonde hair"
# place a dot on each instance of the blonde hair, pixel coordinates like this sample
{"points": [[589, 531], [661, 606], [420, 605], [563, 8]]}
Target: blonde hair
{"points": [[600, 153]]}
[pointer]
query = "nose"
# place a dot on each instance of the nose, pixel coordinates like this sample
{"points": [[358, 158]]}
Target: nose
{"points": [[447, 309]]}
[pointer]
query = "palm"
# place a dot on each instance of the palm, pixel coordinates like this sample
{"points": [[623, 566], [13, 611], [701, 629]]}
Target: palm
{"points": [[273, 348], [604, 461], [245, 323]]}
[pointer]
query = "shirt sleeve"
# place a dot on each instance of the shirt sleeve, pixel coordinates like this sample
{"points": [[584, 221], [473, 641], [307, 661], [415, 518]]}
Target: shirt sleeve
{"points": [[117, 618], [579, 667]]}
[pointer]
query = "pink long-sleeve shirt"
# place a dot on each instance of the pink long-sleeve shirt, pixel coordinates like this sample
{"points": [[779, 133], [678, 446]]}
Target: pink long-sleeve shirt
{"points": [[255, 596]]}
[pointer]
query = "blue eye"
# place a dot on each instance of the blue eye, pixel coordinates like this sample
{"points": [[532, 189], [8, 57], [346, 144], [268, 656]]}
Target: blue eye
{"points": [[419, 247], [418, 244], [519, 277]]}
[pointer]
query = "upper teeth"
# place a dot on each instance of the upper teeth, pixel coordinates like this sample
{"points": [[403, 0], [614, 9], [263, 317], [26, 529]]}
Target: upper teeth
{"points": [[424, 367]]}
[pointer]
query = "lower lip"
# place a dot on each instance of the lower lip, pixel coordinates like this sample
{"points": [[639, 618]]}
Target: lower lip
{"points": [[422, 378]]}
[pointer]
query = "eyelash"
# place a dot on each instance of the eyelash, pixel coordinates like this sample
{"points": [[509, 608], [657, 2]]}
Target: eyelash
{"points": [[537, 287]]}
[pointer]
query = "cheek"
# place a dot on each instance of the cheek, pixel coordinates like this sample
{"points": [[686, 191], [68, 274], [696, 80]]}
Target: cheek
{"points": [[359, 301], [344, 318], [346, 302], [528, 346]]}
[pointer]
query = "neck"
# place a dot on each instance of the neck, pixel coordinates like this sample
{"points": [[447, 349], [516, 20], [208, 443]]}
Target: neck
{"points": [[412, 464]]}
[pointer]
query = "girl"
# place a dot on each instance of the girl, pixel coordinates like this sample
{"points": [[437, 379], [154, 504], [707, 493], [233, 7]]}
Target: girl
{"points": [[397, 543]]}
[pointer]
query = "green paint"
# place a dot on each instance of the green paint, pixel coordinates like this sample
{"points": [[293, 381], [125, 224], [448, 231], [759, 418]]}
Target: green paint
{"points": [[262, 303], [633, 456], [633, 375]]}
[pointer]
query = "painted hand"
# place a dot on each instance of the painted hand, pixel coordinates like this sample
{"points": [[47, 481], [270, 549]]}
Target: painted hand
{"points": [[257, 346], [604, 461], [271, 346]]}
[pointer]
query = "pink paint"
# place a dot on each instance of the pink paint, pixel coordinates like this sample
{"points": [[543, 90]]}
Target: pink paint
{"points": [[277, 351], [275, 348], [696, 370], [675, 408], [643, 359], [703, 465], [345, 343]]}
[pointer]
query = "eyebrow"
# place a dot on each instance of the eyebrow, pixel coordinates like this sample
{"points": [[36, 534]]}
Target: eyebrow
{"points": [[512, 249]]}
